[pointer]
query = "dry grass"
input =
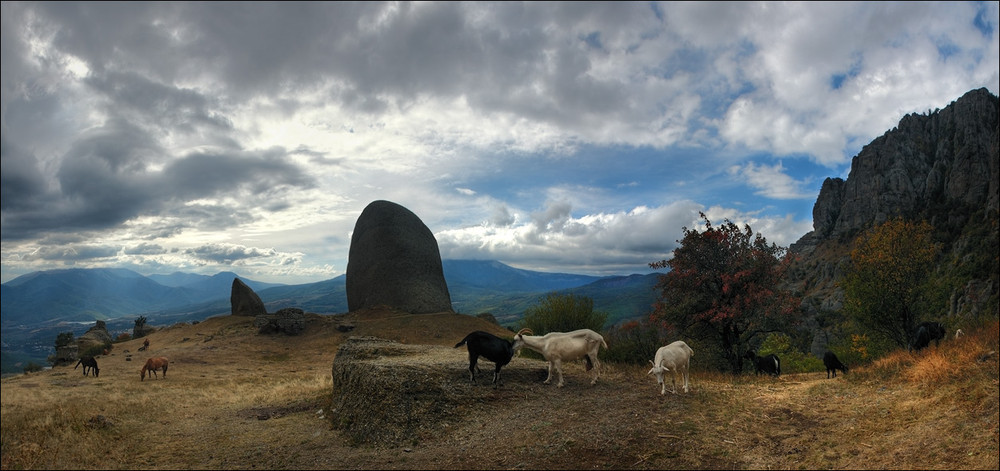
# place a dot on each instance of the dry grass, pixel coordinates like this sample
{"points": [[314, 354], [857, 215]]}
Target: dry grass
{"points": [[233, 399]]}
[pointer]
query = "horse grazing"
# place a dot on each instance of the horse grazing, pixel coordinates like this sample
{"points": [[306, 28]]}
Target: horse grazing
{"points": [[152, 365], [89, 364]]}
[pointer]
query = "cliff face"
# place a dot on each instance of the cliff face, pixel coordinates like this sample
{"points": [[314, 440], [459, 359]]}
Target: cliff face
{"points": [[947, 156], [942, 167]]}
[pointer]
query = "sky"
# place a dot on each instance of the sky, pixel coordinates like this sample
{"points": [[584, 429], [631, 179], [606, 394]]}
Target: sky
{"points": [[560, 137]]}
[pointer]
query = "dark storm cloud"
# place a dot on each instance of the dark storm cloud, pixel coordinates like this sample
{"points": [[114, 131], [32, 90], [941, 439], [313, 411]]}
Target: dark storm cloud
{"points": [[145, 249], [172, 109], [379, 55], [22, 184], [107, 178], [227, 254], [316, 157], [255, 175], [73, 253], [169, 122]]}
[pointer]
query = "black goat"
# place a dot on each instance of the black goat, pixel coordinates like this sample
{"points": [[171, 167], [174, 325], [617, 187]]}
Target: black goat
{"points": [[926, 332], [89, 364], [489, 346], [769, 364], [833, 364]]}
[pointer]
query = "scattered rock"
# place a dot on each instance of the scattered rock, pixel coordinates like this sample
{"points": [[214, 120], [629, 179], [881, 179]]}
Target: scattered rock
{"points": [[99, 422], [290, 320]]}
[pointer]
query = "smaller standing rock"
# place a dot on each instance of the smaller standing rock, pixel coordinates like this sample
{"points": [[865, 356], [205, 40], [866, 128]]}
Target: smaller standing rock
{"points": [[245, 302]]}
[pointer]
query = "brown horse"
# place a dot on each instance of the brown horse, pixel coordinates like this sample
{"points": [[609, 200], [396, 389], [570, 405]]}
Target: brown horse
{"points": [[152, 365]]}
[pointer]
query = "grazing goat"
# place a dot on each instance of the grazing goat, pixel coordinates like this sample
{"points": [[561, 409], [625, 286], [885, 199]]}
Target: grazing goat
{"points": [[675, 357], [558, 347], [768, 364], [152, 365], [487, 345], [89, 364], [926, 332], [959, 333], [833, 364]]}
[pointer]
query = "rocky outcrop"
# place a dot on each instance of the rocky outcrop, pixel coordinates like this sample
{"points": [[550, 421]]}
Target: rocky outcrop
{"points": [[245, 301], [290, 320], [826, 211], [96, 338], [67, 354], [394, 261], [944, 159], [941, 167]]}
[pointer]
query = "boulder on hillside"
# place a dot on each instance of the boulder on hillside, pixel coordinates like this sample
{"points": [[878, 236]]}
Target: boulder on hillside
{"points": [[66, 354], [394, 260], [244, 301], [289, 320], [97, 337]]}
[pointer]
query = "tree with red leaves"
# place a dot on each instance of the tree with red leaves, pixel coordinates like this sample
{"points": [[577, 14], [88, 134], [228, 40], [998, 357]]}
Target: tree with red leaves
{"points": [[724, 286]]}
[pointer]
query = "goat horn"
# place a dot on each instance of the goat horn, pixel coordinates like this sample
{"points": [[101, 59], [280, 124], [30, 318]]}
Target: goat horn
{"points": [[525, 331]]}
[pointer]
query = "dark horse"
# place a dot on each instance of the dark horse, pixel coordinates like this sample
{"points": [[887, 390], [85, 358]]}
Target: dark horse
{"points": [[89, 364], [152, 365]]}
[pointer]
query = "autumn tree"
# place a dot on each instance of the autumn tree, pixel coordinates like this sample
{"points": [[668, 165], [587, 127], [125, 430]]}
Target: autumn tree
{"points": [[889, 265], [723, 288]]}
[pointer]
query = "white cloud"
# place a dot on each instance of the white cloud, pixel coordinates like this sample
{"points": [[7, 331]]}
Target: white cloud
{"points": [[770, 181], [547, 134]]}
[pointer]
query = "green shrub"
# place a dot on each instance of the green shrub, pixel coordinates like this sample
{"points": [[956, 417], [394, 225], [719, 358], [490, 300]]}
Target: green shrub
{"points": [[64, 339], [792, 360], [635, 342], [563, 313], [95, 350], [32, 367]]}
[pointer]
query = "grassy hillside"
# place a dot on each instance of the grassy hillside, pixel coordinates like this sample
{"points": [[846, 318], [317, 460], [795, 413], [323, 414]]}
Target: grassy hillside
{"points": [[233, 399]]}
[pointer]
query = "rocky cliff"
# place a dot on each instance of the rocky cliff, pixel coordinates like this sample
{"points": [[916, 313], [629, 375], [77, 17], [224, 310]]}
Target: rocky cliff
{"points": [[942, 167]]}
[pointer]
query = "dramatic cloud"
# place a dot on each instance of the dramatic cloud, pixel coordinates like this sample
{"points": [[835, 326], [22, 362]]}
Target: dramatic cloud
{"points": [[571, 137]]}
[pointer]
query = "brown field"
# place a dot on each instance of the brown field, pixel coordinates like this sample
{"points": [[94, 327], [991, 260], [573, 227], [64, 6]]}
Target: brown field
{"points": [[233, 399]]}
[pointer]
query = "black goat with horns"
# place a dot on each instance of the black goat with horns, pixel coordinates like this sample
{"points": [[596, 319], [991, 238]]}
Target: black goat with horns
{"points": [[489, 346]]}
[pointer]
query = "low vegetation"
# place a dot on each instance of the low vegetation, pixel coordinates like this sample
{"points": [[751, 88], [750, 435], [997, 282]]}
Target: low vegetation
{"points": [[238, 400]]}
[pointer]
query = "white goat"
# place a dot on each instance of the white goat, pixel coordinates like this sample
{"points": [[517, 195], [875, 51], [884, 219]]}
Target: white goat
{"points": [[675, 357], [557, 347]]}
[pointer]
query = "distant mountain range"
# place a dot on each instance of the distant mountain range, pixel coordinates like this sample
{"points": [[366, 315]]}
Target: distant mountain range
{"points": [[38, 306]]}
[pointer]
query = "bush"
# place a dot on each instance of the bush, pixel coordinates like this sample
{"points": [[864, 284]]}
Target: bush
{"points": [[64, 339], [635, 342], [95, 350], [792, 360], [563, 313], [123, 337], [32, 367]]}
